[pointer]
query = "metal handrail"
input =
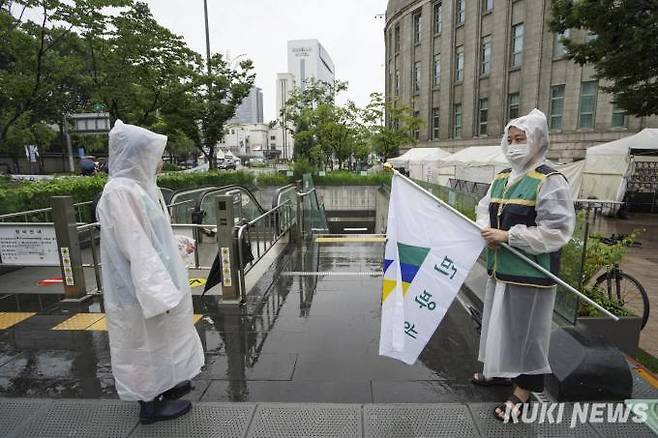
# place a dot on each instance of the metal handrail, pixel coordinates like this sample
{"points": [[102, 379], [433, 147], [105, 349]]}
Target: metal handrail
{"points": [[278, 233], [39, 210], [279, 192]]}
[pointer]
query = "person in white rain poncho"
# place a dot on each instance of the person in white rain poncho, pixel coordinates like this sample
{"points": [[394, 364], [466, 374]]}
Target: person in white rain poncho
{"points": [[528, 206], [155, 349]]}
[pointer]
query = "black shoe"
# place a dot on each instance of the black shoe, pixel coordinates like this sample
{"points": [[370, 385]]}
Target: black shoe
{"points": [[162, 410], [178, 391]]}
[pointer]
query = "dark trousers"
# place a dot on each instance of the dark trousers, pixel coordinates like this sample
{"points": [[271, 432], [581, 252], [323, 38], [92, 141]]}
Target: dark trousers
{"points": [[530, 382]]}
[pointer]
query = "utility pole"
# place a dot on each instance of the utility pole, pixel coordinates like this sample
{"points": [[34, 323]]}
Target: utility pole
{"points": [[205, 11]]}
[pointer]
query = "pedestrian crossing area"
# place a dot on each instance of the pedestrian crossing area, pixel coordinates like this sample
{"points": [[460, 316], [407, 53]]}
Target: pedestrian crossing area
{"points": [[79, 321]]}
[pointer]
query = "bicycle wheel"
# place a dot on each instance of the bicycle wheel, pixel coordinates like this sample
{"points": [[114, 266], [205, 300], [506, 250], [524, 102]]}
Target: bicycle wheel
{"points": [[631, 294]]}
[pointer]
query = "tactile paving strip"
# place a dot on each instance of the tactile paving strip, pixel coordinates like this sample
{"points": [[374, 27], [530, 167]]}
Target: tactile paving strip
{"points": [[9, 319], [418, 420], [79, 321], [642, 388], [73, 418], [490, 427], [317, 420], [207, 420], [15, 412], [100, 325], [350, 239]]}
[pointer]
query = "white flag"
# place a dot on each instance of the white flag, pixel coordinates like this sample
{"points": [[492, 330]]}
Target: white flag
{"points": [[429, 252]]}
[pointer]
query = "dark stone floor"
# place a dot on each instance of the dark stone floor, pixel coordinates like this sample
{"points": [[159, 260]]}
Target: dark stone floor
{"points": [[299, 338]]}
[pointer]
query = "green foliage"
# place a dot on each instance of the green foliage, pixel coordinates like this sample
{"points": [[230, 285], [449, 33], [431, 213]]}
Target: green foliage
{"points": [[623, 50], [36, 195], [273, 179], [170, 167], [182, 180], [302, 166], [346, 178], [391, 125]]}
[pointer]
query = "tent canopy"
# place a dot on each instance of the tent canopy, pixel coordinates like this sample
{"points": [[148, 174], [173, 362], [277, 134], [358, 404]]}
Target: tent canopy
{"points": [[478, 156], [607, 165], [419, 156]]}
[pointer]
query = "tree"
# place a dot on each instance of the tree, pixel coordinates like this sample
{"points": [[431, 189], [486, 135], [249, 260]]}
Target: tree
{"points": [[218, 94], [391, 125], [323, 131], [40, 63], [136, 66], [623, 47]]}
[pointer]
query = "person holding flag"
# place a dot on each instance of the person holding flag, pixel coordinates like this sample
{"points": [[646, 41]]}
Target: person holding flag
{"points": [[529, 207]]}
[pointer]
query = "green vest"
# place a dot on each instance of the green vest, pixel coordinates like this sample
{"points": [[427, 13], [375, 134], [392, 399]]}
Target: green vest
{"points": [[511, 206]]}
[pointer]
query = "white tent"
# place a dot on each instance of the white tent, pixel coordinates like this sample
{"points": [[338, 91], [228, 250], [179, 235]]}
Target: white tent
{"points": [[574, 174], [608, 166], [475, 164], [422, 163]]}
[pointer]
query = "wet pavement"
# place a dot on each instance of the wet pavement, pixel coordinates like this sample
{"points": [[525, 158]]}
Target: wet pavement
{"points": [[301, 337], [301, 357]]}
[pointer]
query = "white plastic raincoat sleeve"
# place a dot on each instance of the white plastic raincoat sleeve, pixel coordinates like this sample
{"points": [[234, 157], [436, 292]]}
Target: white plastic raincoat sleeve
{"points": [[154, 287], [556, 220], [482, 210]]}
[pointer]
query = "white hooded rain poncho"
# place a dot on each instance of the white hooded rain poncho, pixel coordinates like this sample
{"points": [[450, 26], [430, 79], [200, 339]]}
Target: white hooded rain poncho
{"points": [[148, 302], [516, 322]]}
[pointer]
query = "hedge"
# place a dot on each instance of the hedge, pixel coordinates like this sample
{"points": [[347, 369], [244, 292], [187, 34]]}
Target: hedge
{"points": [[36, 194]]}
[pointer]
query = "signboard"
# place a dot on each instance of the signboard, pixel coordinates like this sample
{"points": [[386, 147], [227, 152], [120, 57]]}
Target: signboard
{"points": [[289, 173], [226, 266], [322, 173], [28, 245]]}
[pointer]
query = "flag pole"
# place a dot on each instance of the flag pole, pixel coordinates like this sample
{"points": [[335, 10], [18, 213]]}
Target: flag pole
{"points": [[390, 168]]}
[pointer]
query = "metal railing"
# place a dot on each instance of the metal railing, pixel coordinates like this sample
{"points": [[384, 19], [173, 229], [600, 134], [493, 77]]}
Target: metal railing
{"points": [[46, 212], [267, 228]]}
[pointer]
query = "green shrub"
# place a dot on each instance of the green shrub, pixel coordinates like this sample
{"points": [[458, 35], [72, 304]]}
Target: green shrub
{"points": [[36, 195], [273, 179], [181, 180], [346, 178], [171, 167]]}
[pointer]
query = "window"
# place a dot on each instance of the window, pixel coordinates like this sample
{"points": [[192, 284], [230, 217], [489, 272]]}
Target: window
{"points": [[557, 106], [619, 117], [517, 45], [272, 137], [438, 12], [397, 38], [487, 5], [391, 84], [461, 11], [397, 82], [558, 48], [417, 27], [457, 129], [435, 123], [587, 104], [459, 64], [417, 130], [436, 77], [417, 77], [486, 55], [513, 103], [483, 116]]}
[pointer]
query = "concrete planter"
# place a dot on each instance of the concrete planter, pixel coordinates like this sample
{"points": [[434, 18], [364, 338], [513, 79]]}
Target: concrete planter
{"points": [[623, 334]]}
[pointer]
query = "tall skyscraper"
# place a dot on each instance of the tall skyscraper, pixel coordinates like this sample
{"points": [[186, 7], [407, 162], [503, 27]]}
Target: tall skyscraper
{"points": [[251, 108], [308, 59]]}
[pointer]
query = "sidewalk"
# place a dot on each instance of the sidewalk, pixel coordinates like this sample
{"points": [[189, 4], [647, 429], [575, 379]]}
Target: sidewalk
{"points": [[100, 419]]}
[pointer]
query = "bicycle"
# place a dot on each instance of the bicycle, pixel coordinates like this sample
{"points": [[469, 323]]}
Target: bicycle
{"points": [[622, 287]]}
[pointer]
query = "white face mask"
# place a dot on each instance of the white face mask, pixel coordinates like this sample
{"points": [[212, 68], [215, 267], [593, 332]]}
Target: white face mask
{"points": [[518, 154]]}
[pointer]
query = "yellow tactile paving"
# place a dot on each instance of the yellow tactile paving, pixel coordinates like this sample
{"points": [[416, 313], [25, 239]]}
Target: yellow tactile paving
{"points": [[79, 321], [9, 319], [100, 325], [350, 239]]}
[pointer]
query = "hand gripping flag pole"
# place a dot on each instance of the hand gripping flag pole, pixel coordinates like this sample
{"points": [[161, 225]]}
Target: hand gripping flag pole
{"points": [[389, 167]]}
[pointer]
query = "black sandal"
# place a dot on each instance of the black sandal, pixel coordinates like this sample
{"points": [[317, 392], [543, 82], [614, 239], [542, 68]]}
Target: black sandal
{"points": [[479, 379], [515, 412]]}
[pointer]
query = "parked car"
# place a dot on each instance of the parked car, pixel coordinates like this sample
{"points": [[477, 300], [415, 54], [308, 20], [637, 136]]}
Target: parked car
{"points": [[226, 164]]}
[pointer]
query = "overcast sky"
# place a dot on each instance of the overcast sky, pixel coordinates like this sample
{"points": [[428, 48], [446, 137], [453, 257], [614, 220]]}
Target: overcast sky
{"points": [[347, 29]]}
